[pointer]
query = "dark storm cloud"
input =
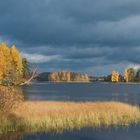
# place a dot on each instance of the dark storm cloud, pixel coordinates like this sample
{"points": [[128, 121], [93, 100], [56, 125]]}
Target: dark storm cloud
{"points": [[73, 34]]}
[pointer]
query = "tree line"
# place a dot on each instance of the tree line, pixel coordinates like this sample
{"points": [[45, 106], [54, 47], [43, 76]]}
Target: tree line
{"points": [[130, 75]]}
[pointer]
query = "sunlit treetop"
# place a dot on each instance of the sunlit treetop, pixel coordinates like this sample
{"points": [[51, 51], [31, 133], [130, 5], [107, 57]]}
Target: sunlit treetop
{"points": [[10, 62]]}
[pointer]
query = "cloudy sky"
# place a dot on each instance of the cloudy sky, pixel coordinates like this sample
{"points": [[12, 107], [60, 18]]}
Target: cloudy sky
{"points": [[92, 36]]}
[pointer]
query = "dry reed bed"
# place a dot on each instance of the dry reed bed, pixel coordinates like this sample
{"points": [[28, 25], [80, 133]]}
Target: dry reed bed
{"points": [[59, 116]]}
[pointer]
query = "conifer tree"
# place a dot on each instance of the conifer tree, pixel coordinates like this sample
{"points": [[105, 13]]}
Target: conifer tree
{"points": [[26, 68]]}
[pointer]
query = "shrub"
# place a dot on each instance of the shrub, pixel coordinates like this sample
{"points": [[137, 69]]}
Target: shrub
{"points": [[10, 98]]}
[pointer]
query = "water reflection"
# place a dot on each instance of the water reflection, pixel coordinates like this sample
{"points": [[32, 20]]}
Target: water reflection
{"points": [[114, 96], [111, 133], [83, 92], [126, 98]]}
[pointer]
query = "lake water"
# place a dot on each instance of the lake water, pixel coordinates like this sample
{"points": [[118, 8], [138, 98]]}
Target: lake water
{"points": [[128, 93], [132, 133], [86, 92]]}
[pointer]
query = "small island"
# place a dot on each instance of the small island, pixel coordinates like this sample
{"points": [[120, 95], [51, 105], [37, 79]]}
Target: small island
{"points": [[63, 76]]}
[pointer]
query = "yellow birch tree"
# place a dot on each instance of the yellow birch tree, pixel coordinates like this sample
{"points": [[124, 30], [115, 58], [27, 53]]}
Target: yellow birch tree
{"points": [[17, 62], [5, 61]]}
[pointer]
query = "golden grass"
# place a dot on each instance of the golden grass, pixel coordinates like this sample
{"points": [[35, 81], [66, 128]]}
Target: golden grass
{"points": [[59, 116]]}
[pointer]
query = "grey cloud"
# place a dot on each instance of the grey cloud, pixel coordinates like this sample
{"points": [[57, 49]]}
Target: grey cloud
{"points": [[55, 22], [83, 33]]}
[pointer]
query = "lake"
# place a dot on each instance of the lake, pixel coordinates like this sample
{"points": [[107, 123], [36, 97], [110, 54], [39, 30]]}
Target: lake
{"points": [[132, 133], [128, 93]]}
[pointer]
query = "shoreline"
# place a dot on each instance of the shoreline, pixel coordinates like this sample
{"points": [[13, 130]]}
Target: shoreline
{"points": [[82, 82], [78, 82]]}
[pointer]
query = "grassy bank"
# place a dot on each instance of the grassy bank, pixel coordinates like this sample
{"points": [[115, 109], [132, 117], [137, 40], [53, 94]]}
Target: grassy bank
{"points": [[59, 116]]}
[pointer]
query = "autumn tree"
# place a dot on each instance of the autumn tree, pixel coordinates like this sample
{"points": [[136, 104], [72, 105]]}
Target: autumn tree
{"points": [[114, 76], [2, 64], [138, 75], [17, 62], [129, 75], [13, 68], [5, 59]]}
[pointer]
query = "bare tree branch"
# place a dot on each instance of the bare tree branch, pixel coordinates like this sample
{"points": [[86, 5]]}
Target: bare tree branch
{"points": [[34, 74]]}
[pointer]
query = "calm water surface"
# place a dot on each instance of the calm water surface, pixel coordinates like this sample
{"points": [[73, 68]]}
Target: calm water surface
{"points": [[86, 92], [129, 93], [91, 134]]}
